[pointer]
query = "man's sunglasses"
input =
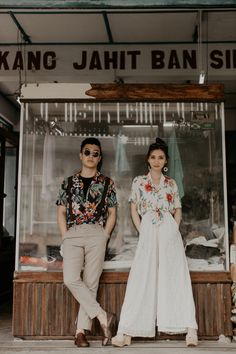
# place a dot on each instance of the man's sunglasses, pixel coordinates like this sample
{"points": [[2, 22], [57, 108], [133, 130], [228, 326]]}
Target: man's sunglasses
{"points": [[92, 153]]}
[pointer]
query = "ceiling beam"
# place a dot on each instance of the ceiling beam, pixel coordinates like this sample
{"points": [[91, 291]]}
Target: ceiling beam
{"points": [[157, 92], [108, 28], [8, 44], [25, 36]]}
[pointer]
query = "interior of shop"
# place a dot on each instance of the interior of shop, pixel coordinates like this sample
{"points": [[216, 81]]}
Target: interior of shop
{"points": [[52, 136]]}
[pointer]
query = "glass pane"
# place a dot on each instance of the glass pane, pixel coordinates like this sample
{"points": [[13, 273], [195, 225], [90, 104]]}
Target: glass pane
{"points": [[10, 192], [52, 136]]}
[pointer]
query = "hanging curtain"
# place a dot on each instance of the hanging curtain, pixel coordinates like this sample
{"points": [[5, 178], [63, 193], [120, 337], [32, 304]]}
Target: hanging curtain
{"points": [[175, 169], [121, 161]]}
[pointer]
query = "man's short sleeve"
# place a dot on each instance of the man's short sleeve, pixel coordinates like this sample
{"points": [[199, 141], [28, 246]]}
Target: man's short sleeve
{"points": [[111, 195], [62, 194]]}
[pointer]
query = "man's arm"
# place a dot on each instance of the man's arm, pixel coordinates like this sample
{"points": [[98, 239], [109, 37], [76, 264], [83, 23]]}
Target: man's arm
{"points": [[61, 219], [111, 220]]}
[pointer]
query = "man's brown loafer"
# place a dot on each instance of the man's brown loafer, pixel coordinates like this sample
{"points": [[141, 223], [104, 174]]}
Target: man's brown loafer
{"points": [[81, 341]]}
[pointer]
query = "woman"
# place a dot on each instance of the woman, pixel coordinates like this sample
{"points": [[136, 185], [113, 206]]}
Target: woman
{"points": [[159, 291]]}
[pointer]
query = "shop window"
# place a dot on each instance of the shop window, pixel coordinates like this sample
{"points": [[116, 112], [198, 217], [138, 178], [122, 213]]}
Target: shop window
{"points": [[52, 134]]}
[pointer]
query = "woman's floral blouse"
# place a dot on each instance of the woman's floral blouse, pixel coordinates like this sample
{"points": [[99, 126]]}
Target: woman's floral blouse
{"points": [[84, 207], [156, 199]]}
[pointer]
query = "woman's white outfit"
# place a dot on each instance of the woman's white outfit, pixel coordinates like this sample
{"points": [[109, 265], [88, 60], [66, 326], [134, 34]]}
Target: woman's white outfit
{"points": [[159, 291]]}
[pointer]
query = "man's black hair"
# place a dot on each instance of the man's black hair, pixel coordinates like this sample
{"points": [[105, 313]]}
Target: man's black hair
{"points": [[92, 141]]}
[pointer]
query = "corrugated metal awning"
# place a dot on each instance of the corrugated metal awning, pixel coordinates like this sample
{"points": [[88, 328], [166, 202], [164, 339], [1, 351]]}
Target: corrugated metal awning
{"points": [[101, 4], [39, 27]]}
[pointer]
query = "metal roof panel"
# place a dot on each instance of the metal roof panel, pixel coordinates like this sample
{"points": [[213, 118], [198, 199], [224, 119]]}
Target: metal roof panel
{"points": [[8, 31], [152, 27], [63, 27]]}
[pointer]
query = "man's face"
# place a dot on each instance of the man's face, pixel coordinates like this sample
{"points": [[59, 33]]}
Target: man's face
{"points": [[90, 156]]}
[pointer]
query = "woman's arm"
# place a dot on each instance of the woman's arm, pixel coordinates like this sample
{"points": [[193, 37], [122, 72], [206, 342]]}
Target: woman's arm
{"points": [[135, 216], [178, 215], [61, 219]]}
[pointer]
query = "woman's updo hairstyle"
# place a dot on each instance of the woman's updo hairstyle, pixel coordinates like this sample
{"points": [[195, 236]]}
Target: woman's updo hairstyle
{"points": [[158, 145]]}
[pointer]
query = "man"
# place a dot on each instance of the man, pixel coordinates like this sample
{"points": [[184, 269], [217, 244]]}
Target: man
{"points": [[86, 215]]}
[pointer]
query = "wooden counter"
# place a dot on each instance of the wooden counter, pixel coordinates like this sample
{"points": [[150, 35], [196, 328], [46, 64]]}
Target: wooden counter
{"points": [[43, 308]]}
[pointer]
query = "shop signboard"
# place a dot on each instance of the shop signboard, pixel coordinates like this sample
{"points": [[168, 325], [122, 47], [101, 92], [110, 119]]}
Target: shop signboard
{"points": [[103, 63]]}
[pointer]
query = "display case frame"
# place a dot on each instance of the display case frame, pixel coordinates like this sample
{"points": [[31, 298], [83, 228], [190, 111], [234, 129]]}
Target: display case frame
{"points": [[209, 287]]}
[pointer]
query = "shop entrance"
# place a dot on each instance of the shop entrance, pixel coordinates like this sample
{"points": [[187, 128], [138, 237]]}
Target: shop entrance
{"points": [[8, 189]]}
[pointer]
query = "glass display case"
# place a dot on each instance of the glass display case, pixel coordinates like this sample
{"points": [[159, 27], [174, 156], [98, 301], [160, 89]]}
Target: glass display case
{"points": [[51, 136]]}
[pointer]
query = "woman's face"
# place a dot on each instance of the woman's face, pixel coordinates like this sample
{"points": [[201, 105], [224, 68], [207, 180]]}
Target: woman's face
{"points": [[157, 160]]}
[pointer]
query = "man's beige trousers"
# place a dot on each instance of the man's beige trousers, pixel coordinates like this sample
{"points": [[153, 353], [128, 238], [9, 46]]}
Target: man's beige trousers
{"points": [[84, 249]]}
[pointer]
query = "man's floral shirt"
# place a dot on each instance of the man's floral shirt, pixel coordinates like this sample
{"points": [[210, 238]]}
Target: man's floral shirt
{"points": [[84, 207]]}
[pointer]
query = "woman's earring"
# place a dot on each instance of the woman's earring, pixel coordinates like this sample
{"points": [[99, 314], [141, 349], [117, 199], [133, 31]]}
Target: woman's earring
{"points": [[165, 169]]}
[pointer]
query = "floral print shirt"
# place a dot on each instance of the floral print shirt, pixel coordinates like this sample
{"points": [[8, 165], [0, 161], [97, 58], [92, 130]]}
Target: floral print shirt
{"points": [[156, 199], [84, 207]]}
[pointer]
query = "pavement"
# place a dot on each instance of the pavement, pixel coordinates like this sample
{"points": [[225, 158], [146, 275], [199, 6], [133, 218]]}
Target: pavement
{"points": [[11, 345]]}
